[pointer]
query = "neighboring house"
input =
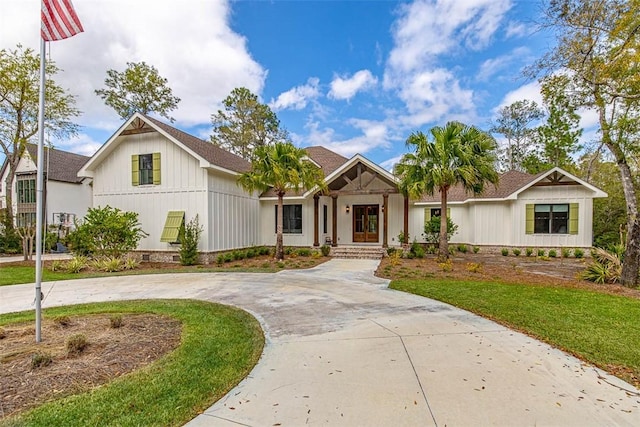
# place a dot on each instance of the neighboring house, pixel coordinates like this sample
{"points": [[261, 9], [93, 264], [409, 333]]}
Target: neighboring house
{"points": [[66, 196], [168, 177], [550, 209]]}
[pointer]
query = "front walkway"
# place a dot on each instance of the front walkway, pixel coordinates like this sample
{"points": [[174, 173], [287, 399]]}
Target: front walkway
{"points": [[342, 349]]}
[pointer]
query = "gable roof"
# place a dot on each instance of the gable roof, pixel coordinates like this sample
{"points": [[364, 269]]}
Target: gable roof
{"points": [[510, 185], [328, 160], [60, 165], [209, 155]]}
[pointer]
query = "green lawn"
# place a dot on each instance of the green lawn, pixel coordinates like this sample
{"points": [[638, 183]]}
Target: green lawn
{"points": [[219, 346], [599, 328]]}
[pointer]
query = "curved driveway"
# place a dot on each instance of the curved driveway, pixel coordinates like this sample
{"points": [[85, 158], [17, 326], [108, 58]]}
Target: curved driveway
{"points": [[342, 349]]}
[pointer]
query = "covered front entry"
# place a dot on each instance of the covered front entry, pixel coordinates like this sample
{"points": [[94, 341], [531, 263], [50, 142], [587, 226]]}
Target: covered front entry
{"points": [[365, 223]]}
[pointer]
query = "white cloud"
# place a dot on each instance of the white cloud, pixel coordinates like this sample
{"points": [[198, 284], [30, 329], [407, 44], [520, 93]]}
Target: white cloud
{"points": [[530, 91], [80, 144], [516, 29], [346, 88], [427, 28], [389, 164], [298, 97], [492, 66], [191, 45], [373, 135]]}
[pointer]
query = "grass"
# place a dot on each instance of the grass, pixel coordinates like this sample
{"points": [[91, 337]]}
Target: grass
{"points": [[15, 275], [219, 346], [599, 328]]}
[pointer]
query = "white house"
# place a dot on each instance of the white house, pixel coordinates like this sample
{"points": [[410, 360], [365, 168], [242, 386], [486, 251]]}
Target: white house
{"points": [[168, 177], [66, 196]]}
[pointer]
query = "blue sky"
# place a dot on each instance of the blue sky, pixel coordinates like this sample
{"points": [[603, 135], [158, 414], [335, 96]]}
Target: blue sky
{"points": [[354, 76]]}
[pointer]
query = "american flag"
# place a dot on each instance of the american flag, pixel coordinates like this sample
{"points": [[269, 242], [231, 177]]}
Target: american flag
{"points": [[59, 20]]}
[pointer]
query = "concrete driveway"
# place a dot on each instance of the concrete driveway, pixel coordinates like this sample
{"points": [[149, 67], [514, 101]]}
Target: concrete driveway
{"points": [[342, 349]]}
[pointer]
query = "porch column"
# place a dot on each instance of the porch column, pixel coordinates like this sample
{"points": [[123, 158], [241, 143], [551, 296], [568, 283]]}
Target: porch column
{"points": [[406, 220], [334, 222], [316, 198], [385, 219]]}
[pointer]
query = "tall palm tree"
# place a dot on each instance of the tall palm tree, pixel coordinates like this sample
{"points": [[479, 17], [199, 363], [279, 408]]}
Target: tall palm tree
{"points": [[283, 168], [457, 154]]}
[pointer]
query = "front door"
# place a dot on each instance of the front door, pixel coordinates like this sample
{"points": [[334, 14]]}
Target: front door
{"points": [[365, 223]]}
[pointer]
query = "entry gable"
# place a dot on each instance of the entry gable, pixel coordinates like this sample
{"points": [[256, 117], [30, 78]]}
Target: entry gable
{"points": [[359, 175]]}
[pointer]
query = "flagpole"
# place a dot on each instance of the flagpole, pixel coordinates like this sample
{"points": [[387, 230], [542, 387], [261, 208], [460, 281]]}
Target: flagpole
{"points": [[39, 193]]}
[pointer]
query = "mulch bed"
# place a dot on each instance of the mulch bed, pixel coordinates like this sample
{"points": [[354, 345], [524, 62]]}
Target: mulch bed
{"points": [[111, 352]]}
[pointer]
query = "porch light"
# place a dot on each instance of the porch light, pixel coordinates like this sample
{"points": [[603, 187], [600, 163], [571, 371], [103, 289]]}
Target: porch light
{"points": [[347, 209]]}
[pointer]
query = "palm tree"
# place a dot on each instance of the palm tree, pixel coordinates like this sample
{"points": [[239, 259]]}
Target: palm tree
{"points": [[457, 155], [283, 168]]}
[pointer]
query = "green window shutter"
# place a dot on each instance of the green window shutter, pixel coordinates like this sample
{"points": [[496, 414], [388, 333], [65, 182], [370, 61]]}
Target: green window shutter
{"points": [[529, 222], [427, 215], [156, 168], [573, 218], [172, 227], [448, 212], [135, 170]]}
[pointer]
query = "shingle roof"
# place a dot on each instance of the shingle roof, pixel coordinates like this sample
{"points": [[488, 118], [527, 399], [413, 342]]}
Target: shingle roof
{"points": [[325, 158], [60, 165], [210, 152], [328, 160], [509, 183]]}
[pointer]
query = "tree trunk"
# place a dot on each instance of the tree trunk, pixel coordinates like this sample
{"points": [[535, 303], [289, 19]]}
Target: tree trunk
{"points": [[631, 265], [443, 248], [279, 222]]}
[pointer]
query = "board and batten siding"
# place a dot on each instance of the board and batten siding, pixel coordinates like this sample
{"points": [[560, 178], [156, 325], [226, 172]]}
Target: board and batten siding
{"points": [[183, 187], [234, 214], [566, 194]]}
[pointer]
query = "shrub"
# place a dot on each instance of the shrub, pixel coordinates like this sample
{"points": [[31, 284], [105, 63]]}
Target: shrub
{"points": [[76, 343], [56, 265], [265, 251], [238, 255], [280, 264], [476, 249], [446, 266], [516, 251], [106, 232], [417, 250], [528, 251], [189, 242], [432, 229], [63, 321], [578, 253], [131, 263], [220, 259], [605, 268], [115, 321], [109, 264], [462, 248], [41, 359], [541, 252], [395, 257], [76, 264], [566, 252], [325, 249], [474, 267], [504, 252], [305, 252], [251, 253], [228, 257], [552, 253], [288, 250]]}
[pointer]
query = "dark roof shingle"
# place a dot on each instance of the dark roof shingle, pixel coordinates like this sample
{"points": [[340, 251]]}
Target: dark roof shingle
{"points": [[60, 165], [212, 153], [509, 183]]}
